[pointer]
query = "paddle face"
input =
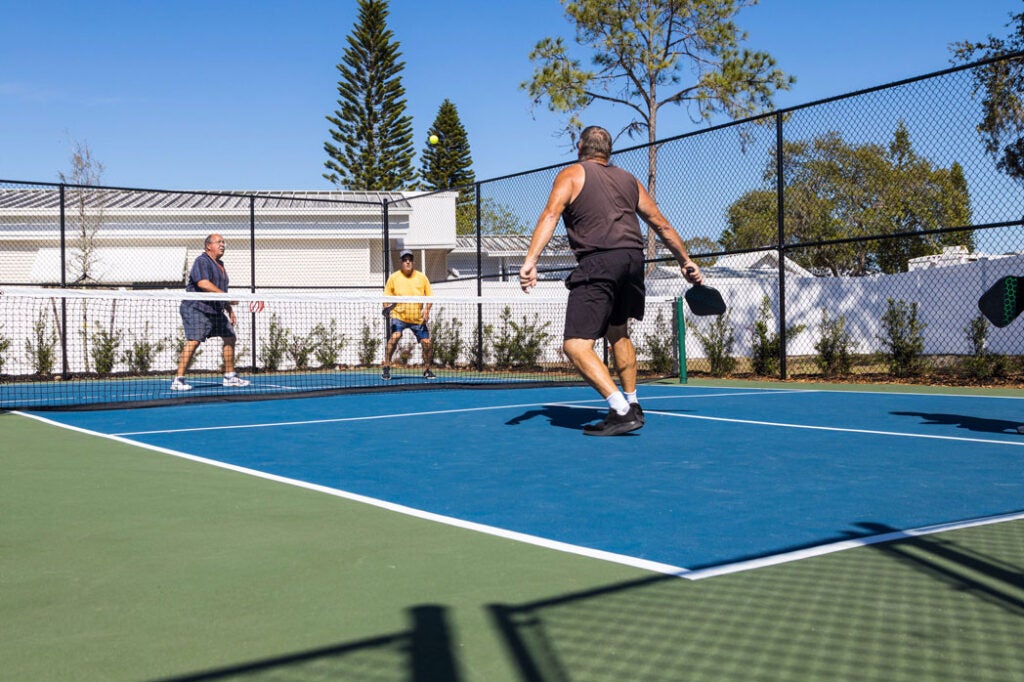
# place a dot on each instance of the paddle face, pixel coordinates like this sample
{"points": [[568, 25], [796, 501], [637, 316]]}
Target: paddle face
{"points": [[1003, 302], [703, 300]]}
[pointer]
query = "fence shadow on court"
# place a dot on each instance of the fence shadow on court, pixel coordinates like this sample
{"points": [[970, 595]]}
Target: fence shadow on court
{"points": [[936, 609], [423, 653], [974, 570], [978, 424]]}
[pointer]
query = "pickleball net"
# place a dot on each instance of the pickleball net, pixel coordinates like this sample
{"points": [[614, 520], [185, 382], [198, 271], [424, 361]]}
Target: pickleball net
{"points": [[74, 348]]}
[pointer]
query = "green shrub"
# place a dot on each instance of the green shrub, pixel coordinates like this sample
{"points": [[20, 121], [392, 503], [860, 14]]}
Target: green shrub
{"points": [[40, 346], [981, 364], [766, 344], [519, 344], [659, 349], [142, 351], [718, 342], [5, 344], [276, 345], [834, 346], [328, 343], [105, 343], [480, 349], [902, 339], [446, 338], [299, 348], [369, 343]]}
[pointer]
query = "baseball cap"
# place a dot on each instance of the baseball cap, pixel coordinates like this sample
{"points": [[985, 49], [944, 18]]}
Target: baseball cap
{"points": [[405, 253]]}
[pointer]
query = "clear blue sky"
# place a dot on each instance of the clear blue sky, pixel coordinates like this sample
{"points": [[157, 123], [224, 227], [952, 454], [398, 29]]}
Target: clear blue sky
{"points": [[232, 94]]}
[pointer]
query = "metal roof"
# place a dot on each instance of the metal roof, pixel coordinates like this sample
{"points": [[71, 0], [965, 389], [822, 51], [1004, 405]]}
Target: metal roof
{"points": [[129, 199]]}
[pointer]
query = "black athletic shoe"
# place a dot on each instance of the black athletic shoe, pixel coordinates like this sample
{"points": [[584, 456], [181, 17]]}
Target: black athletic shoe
{"points": [[615, 424], [639, 411], [427, 374], [385, 373]]}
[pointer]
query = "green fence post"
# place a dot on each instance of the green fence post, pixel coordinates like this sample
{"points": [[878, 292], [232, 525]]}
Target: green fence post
{"points": [[681, 336]]}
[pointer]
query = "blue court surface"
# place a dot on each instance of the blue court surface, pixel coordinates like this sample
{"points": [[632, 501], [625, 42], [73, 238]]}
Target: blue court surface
{"points": [[717, 476]]}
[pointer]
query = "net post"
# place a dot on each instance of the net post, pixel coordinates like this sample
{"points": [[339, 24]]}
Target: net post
{"points": [[681, 338], [63, 321], [252, 278]]}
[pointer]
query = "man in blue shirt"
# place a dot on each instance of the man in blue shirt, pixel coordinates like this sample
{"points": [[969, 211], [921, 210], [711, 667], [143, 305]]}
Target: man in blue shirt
{"points": [[203, 319]]}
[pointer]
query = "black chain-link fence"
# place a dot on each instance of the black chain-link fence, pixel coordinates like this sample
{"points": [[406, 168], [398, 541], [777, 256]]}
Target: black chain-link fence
{"points": [[864, 252], [851, 236]]}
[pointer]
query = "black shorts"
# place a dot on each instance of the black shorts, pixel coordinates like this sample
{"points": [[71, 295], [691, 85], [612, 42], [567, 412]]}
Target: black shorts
{"points": [[605, 289]]}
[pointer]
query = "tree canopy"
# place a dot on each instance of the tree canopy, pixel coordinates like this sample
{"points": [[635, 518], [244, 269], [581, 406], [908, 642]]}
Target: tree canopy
{"points": [[836, 190], [449, 163], [371, 146], [1001, 87], [689, 48], [646, 54]]}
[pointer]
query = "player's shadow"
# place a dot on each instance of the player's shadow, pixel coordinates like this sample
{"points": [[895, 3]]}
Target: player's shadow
{"points": [[961, 421], [560, 416]]}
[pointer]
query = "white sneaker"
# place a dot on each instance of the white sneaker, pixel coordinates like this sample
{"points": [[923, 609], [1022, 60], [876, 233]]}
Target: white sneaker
{"points": [[235, 381], [179, 385]]}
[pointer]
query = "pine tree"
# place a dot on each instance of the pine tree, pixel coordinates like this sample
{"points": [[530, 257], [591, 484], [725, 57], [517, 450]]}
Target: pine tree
{"points": [[447, 164], [372, 146]]}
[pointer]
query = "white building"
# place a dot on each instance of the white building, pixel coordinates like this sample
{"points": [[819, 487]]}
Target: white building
{"points": [[142, 238]]}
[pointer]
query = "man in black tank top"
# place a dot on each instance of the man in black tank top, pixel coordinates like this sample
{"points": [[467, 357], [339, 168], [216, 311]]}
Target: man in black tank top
{"points": [[601, 206]]}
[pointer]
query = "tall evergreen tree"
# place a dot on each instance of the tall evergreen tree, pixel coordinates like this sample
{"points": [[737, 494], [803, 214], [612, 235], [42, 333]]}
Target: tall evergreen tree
{"points": [[372, 142], [447, 164]]}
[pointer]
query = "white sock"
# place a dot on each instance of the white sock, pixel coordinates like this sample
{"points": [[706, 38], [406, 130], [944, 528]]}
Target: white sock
{"points": [[631, 398], [617, 402], [228, 375]]}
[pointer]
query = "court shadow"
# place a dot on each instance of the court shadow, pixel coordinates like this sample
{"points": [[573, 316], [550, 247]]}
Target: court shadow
{"points": [[423, 653], [964, 568], [979, 424], [562, 417]]}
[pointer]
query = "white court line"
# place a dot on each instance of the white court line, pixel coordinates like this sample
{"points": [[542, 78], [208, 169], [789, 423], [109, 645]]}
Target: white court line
{"points": [[872, 432], [335, 420], [583, 404], [576, 403], [390, 506], [822, 550]]}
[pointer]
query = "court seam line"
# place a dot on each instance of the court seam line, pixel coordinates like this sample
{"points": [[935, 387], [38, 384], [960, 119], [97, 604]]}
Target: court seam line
{"points": [[526, 538]]}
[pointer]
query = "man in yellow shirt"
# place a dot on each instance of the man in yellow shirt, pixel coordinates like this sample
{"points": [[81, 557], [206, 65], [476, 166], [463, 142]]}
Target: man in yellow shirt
{"points": [[413, 316]]}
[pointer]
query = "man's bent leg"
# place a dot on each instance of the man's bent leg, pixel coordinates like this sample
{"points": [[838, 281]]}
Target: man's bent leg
{"points": [[624, 354], [585, 359], [428, 352], [389, 351], [229, 354], [186, 356]]}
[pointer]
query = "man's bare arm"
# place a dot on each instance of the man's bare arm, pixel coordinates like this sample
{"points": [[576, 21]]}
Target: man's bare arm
{"points": [[562, 192], [657, 221]]}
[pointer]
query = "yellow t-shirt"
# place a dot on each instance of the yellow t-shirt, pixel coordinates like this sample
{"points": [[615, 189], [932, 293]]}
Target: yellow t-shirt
{"points": [[415, 284]]}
